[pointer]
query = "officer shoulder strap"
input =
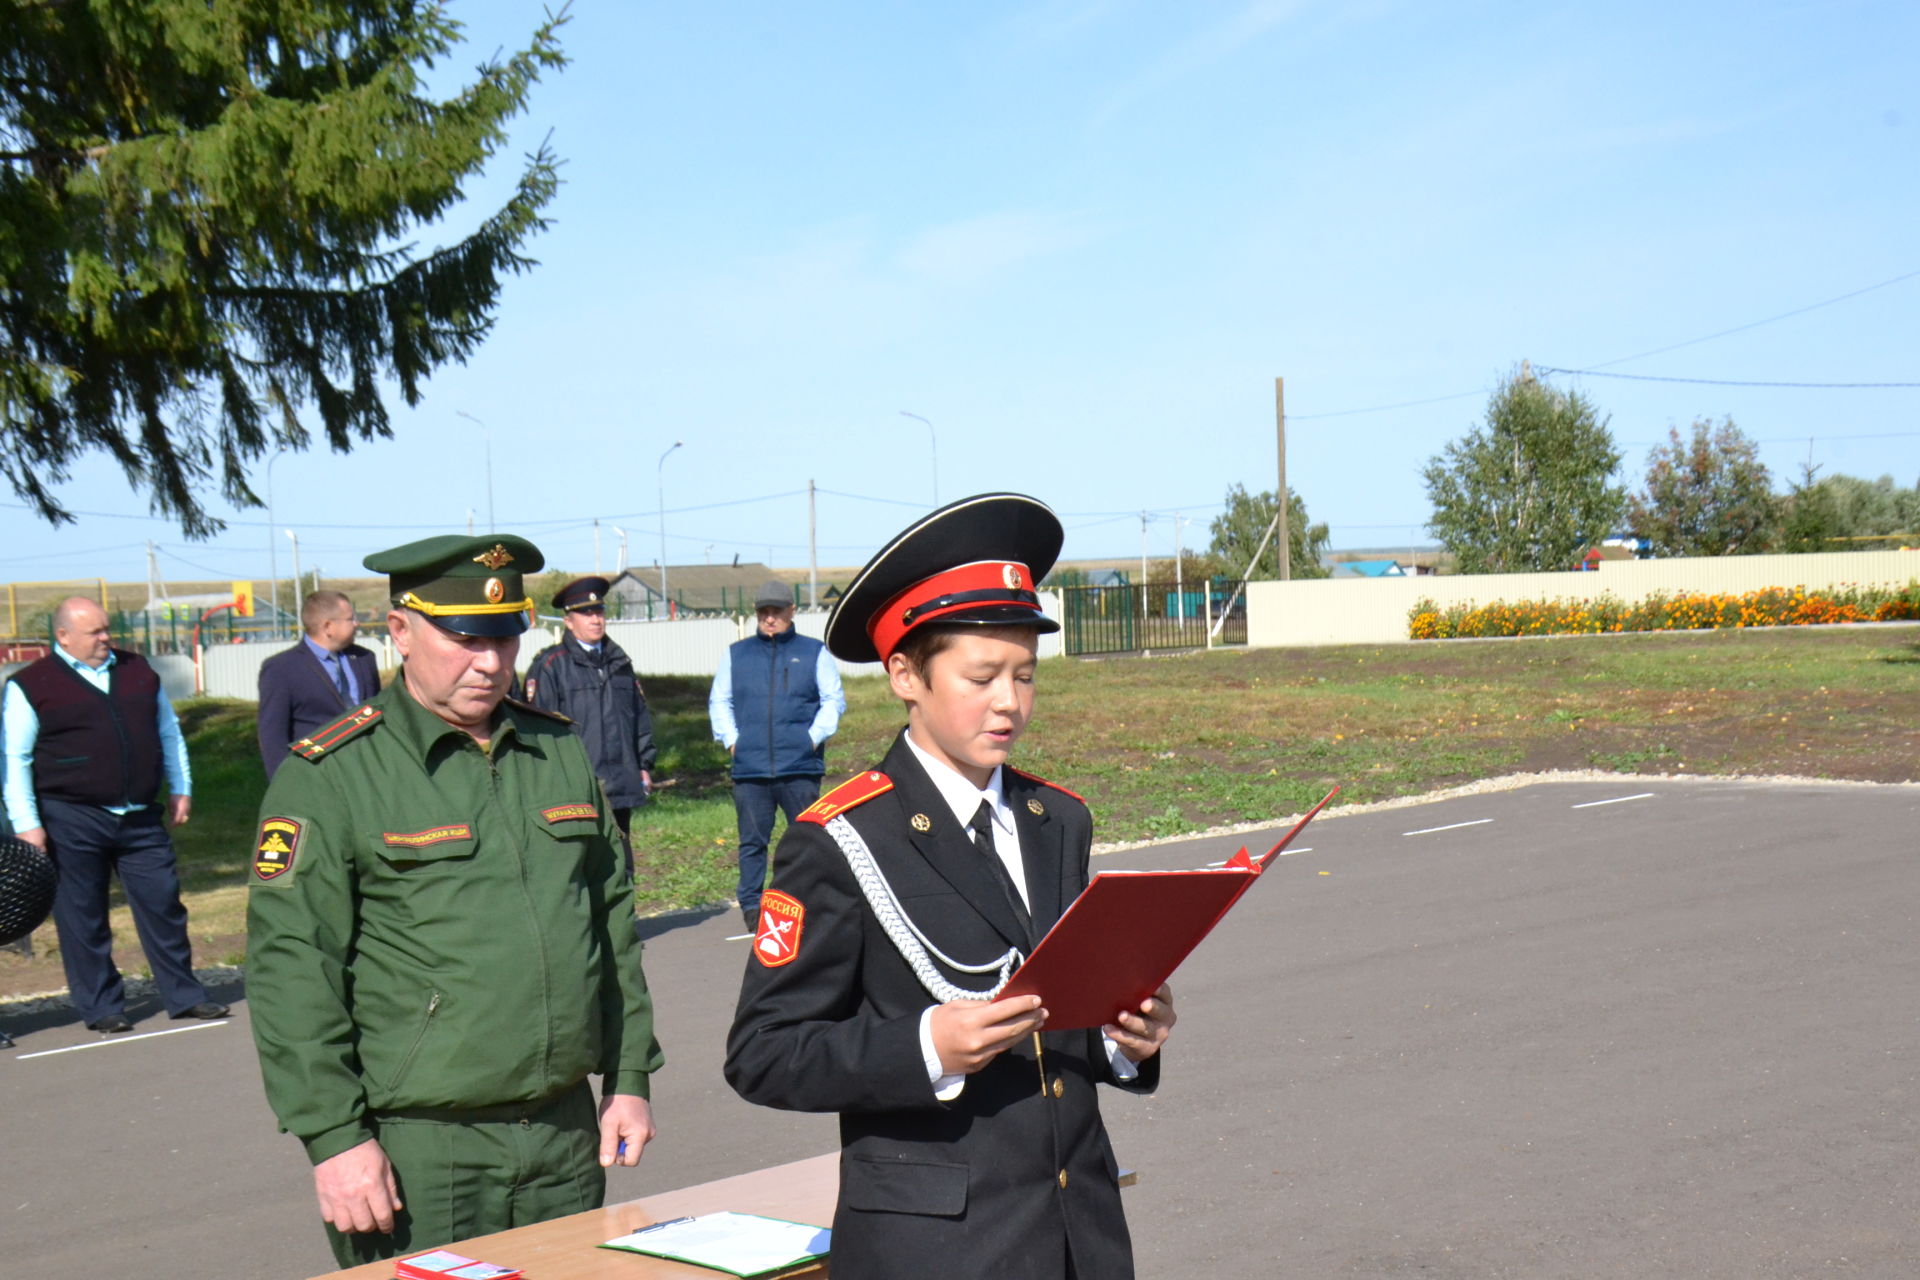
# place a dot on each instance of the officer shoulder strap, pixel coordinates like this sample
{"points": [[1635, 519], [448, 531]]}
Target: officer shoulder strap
{"points": [[343, 730]]}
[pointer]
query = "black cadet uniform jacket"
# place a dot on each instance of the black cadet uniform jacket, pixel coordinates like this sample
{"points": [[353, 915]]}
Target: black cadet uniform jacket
{"points": [[1006, 1177], [601, 695]]}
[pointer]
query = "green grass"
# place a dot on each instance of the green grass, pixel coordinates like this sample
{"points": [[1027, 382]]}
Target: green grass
{"points": [[1165, 746]]}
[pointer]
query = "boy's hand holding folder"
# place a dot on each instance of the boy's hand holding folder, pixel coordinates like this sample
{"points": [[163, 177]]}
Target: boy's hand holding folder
{"points": [[1113, 950]]}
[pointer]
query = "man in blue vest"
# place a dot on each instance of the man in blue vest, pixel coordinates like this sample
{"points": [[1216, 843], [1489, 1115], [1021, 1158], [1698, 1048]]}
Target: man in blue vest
{"points": [[89, 738], [775, 702]]}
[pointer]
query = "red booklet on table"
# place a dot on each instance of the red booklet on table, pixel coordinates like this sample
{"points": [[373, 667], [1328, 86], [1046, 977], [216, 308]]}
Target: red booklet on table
{"points": [[1128, 931]]}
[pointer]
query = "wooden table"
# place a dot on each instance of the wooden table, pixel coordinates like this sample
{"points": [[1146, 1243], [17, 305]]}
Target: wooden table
{"points": [[564, 1249]]}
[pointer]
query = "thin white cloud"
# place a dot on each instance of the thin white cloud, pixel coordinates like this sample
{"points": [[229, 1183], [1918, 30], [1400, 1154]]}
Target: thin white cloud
{"points": [[975, 250], [1202, 49]]}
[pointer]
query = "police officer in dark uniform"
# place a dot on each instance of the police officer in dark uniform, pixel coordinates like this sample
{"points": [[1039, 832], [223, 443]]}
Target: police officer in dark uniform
{"points": [[440, 949], [590, 680], [971, 1138]]}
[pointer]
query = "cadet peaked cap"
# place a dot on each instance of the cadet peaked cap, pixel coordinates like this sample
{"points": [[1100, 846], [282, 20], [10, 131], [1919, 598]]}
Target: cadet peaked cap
{"points": [[774, 594], [973, 562], [582, 593], [467, 585]]}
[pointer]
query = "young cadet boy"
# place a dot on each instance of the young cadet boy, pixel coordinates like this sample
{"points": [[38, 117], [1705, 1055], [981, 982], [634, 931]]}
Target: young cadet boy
{"points": [[971, 1140]]}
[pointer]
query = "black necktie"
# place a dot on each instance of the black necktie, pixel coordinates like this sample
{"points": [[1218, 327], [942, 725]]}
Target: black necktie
{"points": [[340, 678], [982, 829]]}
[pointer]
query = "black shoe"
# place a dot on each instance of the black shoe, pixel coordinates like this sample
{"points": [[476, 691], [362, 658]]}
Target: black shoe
{"points": [[111, 1025], [205, 1009], [752, 916]]}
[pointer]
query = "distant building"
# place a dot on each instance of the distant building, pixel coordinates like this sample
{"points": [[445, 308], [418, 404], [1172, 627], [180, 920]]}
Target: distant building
{"points": [[1375, 569], [699, 588]]}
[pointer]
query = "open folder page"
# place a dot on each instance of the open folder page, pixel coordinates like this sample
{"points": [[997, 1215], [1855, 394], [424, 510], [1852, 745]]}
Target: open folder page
{"points": [[1128, 931], [740, 1244]]}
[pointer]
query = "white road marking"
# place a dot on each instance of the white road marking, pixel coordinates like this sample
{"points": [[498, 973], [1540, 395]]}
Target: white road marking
{"points": [[1616, 800], [1451, 826], [99, 1044], [1283, 853]]}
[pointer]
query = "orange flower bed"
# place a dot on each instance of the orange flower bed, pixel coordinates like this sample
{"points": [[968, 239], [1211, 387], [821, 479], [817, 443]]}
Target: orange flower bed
{"points": [[1689, 611]]}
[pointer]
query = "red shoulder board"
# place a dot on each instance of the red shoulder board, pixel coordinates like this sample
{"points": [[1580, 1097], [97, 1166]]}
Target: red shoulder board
{"points": [[1043, 782], [857, 790], [324, 740]]}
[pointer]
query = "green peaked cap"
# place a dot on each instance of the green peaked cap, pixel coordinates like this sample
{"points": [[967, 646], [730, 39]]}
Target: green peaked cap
{"points": [[473, 586]]}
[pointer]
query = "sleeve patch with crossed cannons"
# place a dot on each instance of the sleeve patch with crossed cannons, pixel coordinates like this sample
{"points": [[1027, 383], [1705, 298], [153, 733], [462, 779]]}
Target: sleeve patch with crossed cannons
{"points": [[781, 919]]}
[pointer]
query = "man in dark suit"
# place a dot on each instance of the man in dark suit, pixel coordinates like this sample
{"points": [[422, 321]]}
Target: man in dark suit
{"points": [[312, 683]]}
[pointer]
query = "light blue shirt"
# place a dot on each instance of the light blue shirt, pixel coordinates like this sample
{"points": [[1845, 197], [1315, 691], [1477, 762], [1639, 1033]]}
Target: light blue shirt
{"points": [[20, 729], [833, 701], [331, 662]]}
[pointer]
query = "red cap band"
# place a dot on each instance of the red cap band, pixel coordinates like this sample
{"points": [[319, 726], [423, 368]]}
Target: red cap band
{"points": [[970, 586]]}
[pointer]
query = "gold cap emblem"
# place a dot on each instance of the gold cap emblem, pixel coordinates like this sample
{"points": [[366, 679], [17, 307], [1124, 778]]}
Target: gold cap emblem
{"points": [[496, 591], [494, 557], [1035, 808], [921, 822]]}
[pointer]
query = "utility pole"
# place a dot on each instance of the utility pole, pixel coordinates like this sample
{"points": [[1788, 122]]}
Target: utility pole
{"points": [[296, 567], [596, 546], [813, 552], [1286, 505], [1179, 578], [621, 567], [1143, 567]]}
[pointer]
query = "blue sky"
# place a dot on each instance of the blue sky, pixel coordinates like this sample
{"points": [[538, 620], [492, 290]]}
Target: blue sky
{"points": [[1082, 237]]}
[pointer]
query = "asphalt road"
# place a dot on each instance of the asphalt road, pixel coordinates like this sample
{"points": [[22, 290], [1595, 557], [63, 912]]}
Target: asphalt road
{"points": [[1577, 1029]]}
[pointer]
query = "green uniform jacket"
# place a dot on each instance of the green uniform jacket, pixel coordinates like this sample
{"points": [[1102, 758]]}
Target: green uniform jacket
{"points": [[434, 925]]}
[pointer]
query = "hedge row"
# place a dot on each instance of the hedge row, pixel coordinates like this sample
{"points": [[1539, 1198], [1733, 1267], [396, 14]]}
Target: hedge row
{"points": [[1691, 611]]}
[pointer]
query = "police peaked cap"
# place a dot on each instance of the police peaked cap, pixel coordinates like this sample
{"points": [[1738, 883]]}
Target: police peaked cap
{"points": [[974, 562], [471, 586], [582, 593]]}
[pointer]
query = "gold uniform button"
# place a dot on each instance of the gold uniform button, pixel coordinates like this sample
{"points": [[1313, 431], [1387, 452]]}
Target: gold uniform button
{"points": [[1063, 1178], [1058, 1088]]}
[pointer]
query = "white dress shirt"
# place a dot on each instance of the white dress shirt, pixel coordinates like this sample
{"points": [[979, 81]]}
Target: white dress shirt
{"points": [[964, 799]]}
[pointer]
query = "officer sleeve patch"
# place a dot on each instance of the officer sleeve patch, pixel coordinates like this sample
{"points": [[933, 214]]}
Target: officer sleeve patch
{"points": [[276, 852], [781, 920], [570, 813]]}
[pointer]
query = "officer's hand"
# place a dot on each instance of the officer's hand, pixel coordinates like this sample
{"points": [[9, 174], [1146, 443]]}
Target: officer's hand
{"points": [[968, 1034], [178, 809], [36, 837], [357, 1189], [624, 1118], [1140, 1035]]}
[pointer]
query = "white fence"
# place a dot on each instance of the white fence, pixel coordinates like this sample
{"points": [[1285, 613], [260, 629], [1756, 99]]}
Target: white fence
{"points": [[1375, 610], [685, 647]]}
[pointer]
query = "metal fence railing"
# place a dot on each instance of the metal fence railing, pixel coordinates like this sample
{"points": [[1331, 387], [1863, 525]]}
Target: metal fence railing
{"points": [[1158, 615]]}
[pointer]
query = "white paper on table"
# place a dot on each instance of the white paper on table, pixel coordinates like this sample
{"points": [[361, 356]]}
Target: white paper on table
{"points": [[742, 1243]]}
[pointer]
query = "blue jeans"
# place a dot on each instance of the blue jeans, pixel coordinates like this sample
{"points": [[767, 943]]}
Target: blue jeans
{"points": [[754, 800]]}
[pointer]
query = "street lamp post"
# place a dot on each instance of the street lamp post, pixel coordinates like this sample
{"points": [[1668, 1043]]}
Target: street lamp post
{"points": [[933, 452], [660, 476], [486, 436], [273, 545]]}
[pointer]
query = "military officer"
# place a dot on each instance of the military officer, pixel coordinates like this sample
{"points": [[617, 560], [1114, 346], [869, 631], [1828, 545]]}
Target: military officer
{"points": [[971, 1138], [439, 941]]}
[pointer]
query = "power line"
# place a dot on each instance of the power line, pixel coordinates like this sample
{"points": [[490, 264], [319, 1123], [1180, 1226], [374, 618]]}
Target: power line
{"points": [[1784, 315], [1675, 346], [1726, 382]]}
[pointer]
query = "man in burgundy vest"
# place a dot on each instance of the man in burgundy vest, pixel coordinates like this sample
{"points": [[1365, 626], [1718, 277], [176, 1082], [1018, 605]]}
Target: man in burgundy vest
{"points": [[89, 737]]}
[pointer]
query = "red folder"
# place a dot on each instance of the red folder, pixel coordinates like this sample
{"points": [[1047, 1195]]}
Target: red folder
{"points": [[1128, 931]]}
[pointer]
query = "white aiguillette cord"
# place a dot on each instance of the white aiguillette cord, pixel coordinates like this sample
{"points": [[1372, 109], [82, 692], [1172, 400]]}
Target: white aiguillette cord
{"points": [[906, 937]]}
